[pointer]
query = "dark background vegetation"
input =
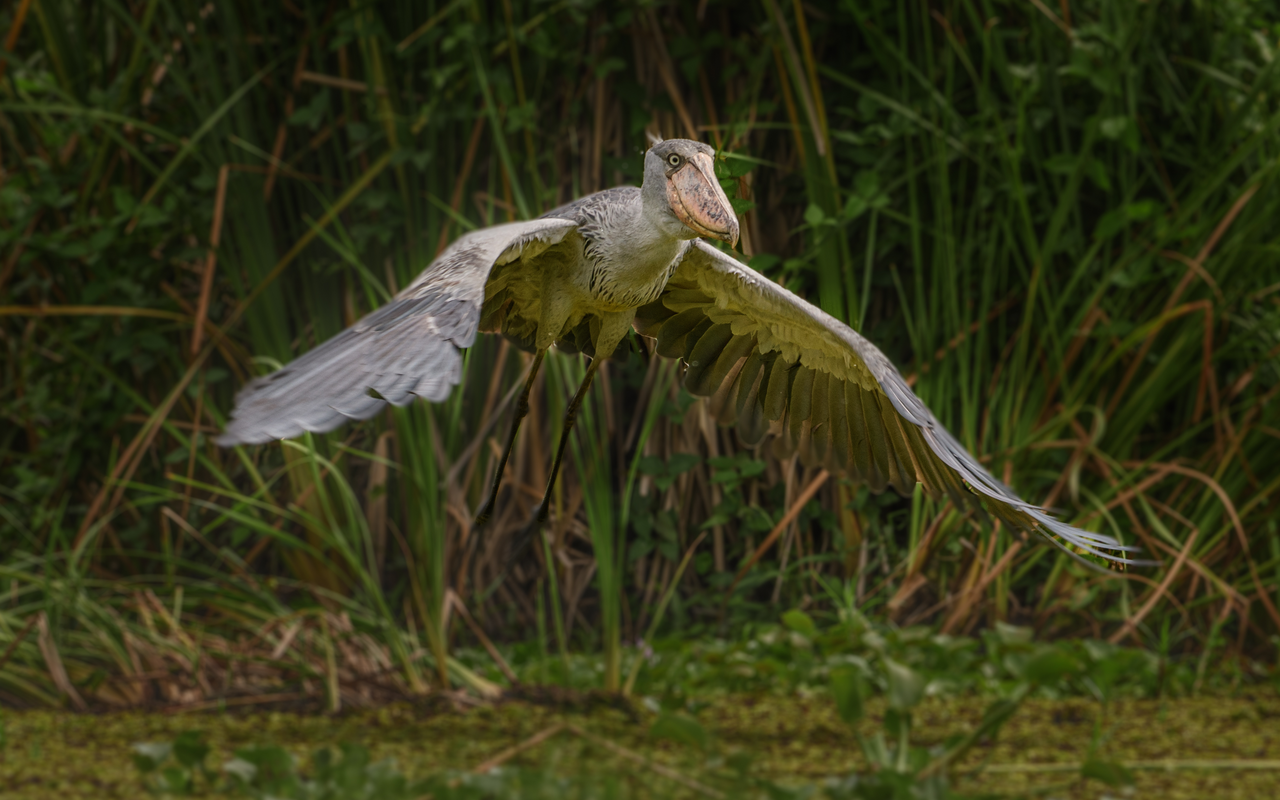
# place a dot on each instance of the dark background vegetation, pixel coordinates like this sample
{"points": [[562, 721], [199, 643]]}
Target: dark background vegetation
{"points": [[1058, 218]]}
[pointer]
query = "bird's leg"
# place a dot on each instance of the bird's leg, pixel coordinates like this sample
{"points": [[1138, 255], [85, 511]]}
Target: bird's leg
{"points": [[526, 534], [570, 415], [522, 410]]}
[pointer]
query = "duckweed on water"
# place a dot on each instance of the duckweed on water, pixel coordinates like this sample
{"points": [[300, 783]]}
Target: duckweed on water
{"points": [[752, 717], [790, 740]]}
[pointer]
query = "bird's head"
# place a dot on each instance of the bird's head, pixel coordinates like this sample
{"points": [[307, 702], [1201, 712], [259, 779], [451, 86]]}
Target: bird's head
{"points": [[682, 172]]}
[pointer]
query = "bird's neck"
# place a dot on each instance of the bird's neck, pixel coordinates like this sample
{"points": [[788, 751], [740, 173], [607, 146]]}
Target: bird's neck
{"points": [[633, 253]]}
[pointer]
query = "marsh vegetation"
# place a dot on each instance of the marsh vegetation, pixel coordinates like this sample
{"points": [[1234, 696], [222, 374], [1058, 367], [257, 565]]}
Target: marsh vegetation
{"points": [[1057, 219]]}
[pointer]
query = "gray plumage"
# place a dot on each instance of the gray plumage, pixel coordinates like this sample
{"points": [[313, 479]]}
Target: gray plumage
{"points": [[407, 349], [774, 365]]}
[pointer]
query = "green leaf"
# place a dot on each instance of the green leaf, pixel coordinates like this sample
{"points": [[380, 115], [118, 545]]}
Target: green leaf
{"points": [[312, 114], [897, 724], [612, 64], [274, 768], [866, 183], [174, 780], [719, 516], [1013, 634], [652, 465], [733, 165], [814, 215], [849, 689], [1112, 773], [190, 750], [241, 770], [1111, 223], [854, 208], [681, 729], [1121, 129], [800, 622], [124, 202], [1113, 127], [876, 751], [639, 549], [147, 756], [1050, 666], [1061, 164], [997, 714], [906, 686], [763, 262], [1143, 209], [1097, 172], [1114, 221], [724, 475]]}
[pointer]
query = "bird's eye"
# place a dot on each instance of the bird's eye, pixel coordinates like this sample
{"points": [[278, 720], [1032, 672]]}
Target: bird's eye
{"points": [[673, 160]]}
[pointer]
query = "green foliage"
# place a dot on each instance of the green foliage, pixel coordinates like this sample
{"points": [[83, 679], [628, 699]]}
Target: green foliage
{"points": [[1067, 240], [804, 653], [174, 768], [269, 771], [681, 729], [665, 472], [890, 674], [1108, 772], [898, 769]]}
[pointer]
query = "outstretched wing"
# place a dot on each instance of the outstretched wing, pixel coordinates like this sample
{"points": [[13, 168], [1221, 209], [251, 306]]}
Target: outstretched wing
{"points": [[775, 363], [408, 348]]}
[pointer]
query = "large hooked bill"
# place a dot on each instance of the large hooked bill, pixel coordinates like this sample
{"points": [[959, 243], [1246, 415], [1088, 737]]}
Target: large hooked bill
{"points": [[699, 202]]}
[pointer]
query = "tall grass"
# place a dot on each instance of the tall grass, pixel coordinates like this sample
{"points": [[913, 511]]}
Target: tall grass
{"points": [[1058, 221]]}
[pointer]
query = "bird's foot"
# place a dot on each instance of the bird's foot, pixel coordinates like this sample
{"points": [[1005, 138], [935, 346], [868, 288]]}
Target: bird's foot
{"points": [[525, 536], [485, 514]]}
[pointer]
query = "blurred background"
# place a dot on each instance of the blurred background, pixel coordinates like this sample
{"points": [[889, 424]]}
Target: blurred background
{"points": [[1058, 218]]}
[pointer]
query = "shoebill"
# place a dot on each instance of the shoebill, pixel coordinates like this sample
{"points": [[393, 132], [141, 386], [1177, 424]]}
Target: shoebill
{"points": [[588, 272]]}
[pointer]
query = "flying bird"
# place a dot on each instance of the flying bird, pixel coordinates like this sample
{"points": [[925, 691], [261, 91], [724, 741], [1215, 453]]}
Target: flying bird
{"points": [[581, 277]]}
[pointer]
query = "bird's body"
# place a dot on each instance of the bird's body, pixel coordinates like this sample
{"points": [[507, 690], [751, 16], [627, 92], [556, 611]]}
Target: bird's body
{"points": [[605, 268], [585, 274]]}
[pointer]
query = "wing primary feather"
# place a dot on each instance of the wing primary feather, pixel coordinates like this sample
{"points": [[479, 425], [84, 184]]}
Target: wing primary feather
{"points": [[859, 446], [775, 397], [751, 423], [901, 450], [804, 442], [820, 416], [726, 389], [360, 408], [735, 352], [648, 317], [801, 404], [876, 444], [926, 463], [747, 379], [769, 361], [702, 359], [951, 479], [840, 429], [897, 474], [672, 334], [695, 336]]}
